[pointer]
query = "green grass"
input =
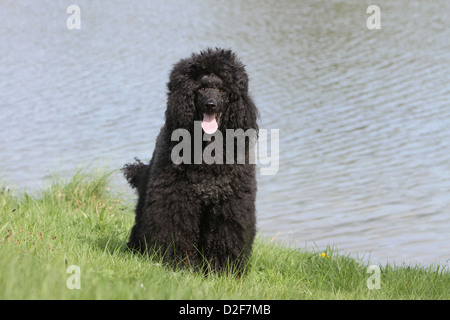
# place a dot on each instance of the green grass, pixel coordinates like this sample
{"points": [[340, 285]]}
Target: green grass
{"points": [[82, 222]]}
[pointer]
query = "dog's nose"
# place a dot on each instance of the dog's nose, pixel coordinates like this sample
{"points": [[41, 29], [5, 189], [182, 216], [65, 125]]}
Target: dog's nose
{"points": [[210, 104]]}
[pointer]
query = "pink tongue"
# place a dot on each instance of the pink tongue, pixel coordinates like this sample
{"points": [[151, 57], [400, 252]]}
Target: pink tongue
{"points": [[209, 123]]}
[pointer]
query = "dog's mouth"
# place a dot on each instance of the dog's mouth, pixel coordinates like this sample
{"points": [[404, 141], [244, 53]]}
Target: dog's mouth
{"points": [[210, 122]]}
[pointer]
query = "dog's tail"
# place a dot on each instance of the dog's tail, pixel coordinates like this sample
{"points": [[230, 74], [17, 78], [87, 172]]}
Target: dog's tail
{"points": [[134, 172]]}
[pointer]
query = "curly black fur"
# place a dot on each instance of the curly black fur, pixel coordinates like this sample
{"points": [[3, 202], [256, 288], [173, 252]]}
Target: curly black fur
{"points": [[199, 214]]}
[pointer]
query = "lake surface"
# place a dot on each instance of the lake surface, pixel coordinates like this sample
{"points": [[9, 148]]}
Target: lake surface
{"points": [[363, 115]]}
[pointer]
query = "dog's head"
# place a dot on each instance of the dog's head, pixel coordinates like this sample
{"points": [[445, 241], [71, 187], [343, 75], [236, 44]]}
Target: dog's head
{"points": [[211, 101], [211, 87]]}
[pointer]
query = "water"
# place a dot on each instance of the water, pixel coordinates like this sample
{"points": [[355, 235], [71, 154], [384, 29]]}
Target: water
{"points": [[363, 114]]}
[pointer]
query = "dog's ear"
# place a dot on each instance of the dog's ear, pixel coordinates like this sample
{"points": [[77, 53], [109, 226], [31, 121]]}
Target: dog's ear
{"points": [[181, 97], [251, 113], [242, 112]]}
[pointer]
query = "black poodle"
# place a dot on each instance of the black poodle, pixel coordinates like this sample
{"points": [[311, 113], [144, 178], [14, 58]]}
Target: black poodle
{"points": [[197, 214]]}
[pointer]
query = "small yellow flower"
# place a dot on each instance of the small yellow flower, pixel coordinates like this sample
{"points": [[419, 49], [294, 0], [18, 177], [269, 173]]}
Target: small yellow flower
{"points": [[324, 255]]}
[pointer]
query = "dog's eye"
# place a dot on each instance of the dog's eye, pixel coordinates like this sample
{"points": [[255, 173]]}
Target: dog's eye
{"points": [[201, 89], [222, 91]]}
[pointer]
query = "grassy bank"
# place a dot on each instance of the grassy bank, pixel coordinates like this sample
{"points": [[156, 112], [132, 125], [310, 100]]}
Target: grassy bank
{"points": [[81, 222]]}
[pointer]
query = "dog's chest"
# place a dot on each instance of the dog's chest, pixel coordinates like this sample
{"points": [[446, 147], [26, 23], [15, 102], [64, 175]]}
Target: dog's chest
{"points": [[211, 188]]}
